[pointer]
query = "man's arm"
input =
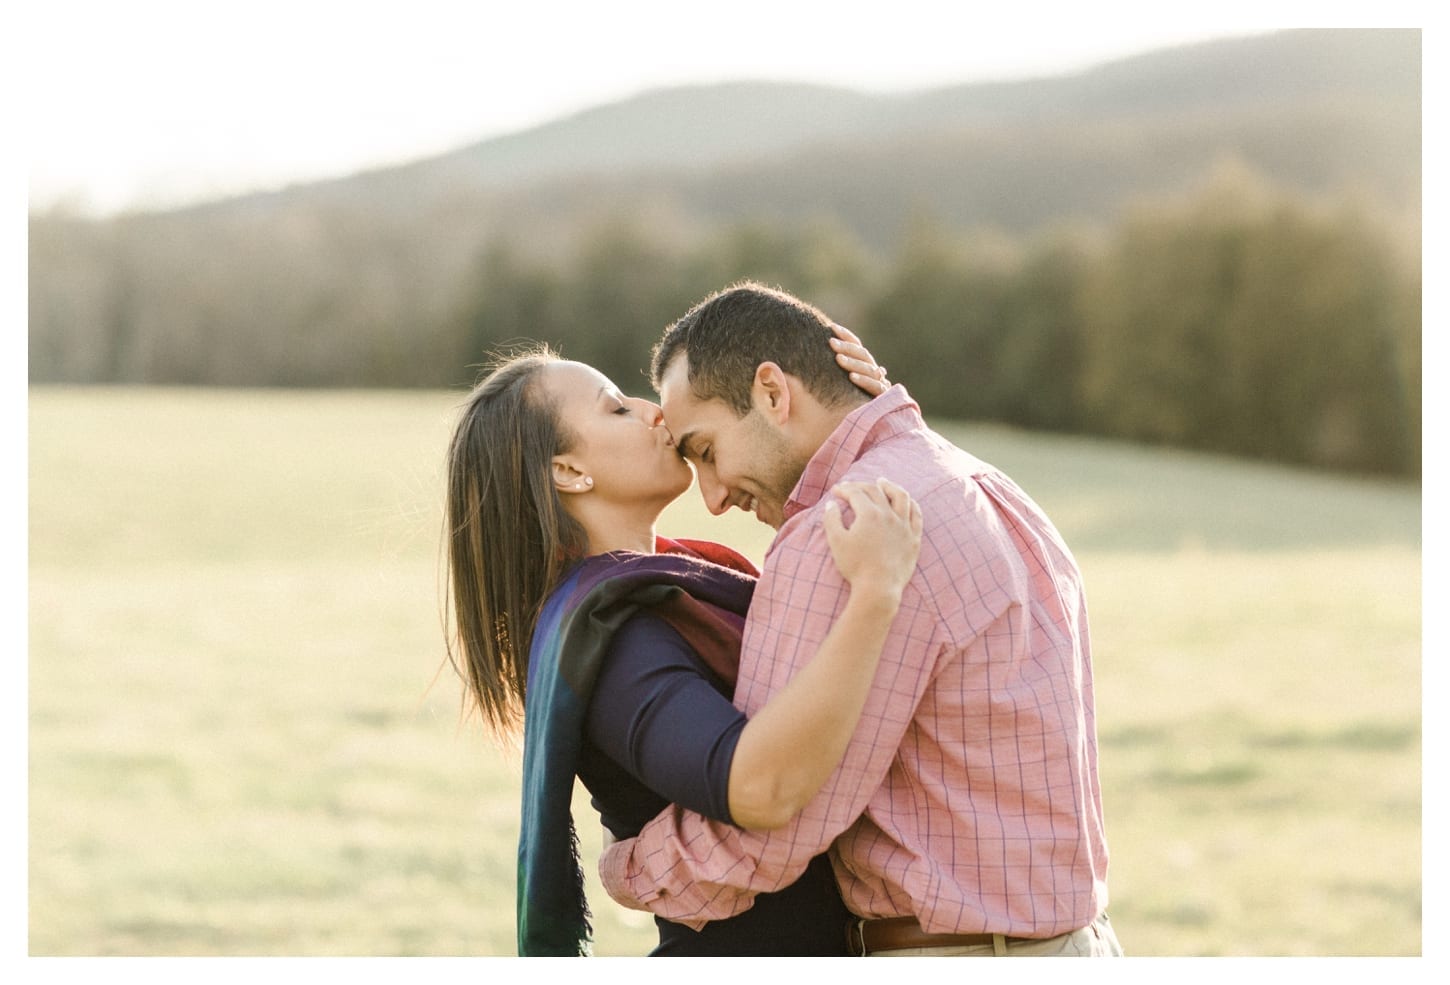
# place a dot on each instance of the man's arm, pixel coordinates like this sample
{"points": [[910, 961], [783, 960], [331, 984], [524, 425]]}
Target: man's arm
{"points": [[693, 870]]}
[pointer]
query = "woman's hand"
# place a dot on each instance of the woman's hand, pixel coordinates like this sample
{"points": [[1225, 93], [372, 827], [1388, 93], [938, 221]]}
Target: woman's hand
{"points": [[858, 362], [878, 551]]}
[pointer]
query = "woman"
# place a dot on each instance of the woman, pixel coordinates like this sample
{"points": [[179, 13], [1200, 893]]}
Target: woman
{"points": [[618, 647]]}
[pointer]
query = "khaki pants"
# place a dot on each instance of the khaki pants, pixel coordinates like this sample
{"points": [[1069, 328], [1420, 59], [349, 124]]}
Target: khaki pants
{"points": [[1096, 940]]}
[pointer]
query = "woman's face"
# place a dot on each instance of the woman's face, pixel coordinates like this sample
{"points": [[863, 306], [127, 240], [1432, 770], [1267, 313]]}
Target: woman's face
{"points": [[621, 442]]}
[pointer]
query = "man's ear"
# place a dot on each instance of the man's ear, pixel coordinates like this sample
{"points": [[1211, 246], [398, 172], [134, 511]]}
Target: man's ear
{"points": [[771, 393], [569, 477]]}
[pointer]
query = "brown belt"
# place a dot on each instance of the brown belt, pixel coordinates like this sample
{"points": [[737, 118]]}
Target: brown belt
{"points": [[896, 933]]}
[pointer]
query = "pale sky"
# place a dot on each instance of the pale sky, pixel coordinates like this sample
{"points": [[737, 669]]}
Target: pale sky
{"points": [[156, 102]]}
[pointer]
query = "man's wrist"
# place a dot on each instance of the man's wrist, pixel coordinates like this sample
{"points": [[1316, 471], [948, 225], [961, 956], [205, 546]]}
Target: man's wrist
{"points": [[614, 873]]}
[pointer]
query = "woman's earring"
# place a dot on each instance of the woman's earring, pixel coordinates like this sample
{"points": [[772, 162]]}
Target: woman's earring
{"points": [[587, 482]]}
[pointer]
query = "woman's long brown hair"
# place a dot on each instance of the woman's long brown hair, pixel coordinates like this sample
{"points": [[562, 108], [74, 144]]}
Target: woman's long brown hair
{"points": [[509, 538]]}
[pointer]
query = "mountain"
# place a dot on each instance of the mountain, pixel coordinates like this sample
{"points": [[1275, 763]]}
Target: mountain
{"points": [[1320, 110]]}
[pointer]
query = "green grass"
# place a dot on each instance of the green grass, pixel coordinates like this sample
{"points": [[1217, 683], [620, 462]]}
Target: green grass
{"points": [[244, 738]]}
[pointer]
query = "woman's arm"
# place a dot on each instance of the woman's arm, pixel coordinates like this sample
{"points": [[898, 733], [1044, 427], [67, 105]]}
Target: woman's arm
{"points": [[658, 715], [792, 745]]}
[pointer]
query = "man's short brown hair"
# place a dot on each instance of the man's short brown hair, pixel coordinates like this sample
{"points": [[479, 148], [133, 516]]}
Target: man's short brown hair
{"points": [[730, 333]]}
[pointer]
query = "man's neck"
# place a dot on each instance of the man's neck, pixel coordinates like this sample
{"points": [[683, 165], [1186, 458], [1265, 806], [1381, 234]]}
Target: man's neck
{"points": [[813, 423]]}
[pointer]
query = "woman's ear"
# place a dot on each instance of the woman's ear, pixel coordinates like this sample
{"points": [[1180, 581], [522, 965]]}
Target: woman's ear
{"points": [[771, 392], [568, 478]]}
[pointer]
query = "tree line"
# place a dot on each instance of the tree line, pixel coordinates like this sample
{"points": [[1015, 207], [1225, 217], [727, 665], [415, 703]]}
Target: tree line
{"points": [[1239, 318]]}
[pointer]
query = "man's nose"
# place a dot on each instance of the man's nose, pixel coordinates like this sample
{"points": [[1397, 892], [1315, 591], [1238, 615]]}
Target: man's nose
{"points": [[716, 496]]}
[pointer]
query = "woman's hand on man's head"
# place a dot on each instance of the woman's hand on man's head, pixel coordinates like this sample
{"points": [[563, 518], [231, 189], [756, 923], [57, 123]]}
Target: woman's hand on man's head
{"points": [[858, 362]]}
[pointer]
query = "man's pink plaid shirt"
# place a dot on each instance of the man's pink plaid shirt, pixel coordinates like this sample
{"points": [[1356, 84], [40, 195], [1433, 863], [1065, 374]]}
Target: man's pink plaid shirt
{"points": [[969, 795]]}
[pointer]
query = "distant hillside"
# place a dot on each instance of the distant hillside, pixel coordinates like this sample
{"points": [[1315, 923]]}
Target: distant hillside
{"points": [[1320, 110]]}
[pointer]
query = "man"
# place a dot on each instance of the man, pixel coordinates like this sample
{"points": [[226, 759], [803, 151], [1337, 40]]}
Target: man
{"points": [[966, 816]]}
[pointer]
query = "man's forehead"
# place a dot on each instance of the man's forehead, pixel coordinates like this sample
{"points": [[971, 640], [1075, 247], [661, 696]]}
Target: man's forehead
{"points": [[676, 393], [691, 420], [676, 372], [683, 410]]}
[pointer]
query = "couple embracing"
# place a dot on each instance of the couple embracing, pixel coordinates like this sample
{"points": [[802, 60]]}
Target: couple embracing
{"points": [[881, 743]]}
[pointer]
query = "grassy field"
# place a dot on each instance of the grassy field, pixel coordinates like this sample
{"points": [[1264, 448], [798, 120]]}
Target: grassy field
{"points": [[244, 739]]}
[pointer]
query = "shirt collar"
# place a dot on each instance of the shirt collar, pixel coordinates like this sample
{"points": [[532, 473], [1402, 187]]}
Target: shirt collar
{"points": [[893, 412]]}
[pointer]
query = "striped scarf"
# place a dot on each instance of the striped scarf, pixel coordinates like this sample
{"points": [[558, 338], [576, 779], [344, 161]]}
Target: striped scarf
{"points": [[702, 591]]}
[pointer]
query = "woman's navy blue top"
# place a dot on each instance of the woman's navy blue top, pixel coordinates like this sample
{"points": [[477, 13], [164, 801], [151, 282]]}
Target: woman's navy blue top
{"points": [[661, 730]]}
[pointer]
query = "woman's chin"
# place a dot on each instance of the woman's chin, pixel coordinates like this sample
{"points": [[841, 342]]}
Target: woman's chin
{"points": [[682, 489], [686, 481]]}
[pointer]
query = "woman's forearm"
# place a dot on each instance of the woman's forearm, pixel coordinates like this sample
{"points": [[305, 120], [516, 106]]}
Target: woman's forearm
{"points": [[790, 747]]}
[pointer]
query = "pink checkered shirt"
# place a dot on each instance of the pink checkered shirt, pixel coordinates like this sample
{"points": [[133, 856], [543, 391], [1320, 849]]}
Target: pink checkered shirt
{"points": [[968, 797]]}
